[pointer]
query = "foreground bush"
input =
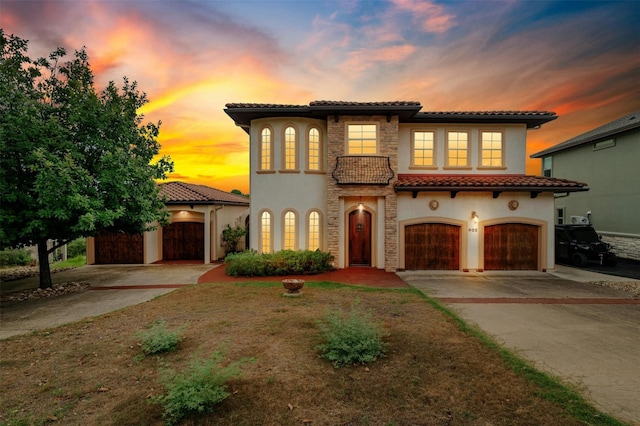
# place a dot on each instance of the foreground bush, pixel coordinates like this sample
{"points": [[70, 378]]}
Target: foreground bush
{"points": [[15, 257], [351, 339], [198, 389], [158, 338], [285, 262]]}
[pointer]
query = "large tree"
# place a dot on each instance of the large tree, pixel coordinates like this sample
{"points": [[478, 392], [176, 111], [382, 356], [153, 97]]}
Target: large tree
{"points": [[74, 161]]}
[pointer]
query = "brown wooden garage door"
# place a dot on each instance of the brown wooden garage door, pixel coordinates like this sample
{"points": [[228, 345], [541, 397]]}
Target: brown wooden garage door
{"points": [[431, 246], [183, 241], [511, 246], [118, 247]]}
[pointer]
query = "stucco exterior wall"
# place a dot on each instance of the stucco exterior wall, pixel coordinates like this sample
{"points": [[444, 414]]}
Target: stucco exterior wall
{"points": [[537, 211], [515, 147], [278, 190]]}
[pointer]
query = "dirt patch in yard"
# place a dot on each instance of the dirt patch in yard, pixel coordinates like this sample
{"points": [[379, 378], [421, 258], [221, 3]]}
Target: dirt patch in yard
{"points": [[92, 372]]}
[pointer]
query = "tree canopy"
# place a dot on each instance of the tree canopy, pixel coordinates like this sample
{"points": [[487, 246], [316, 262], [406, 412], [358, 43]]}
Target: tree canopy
{"points": [[75, 161]]}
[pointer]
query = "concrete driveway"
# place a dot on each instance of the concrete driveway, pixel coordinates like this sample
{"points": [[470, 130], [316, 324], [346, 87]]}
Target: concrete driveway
{"points": [[113, 287], [586, 334]]}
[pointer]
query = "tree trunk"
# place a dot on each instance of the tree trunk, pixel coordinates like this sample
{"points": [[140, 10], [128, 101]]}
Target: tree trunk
{"points": [[43, 260]]}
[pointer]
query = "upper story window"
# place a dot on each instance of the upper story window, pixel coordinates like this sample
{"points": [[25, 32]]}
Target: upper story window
{"points": [[266, 149], [423, 149], [290, 148], [290, 230], [457, 149], [362, 139], [265, 232], [546, 166], [313, 149], [491, 149]]}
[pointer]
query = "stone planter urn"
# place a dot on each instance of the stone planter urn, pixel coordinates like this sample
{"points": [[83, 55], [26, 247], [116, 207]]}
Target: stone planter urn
{"points": [[293, 286]]}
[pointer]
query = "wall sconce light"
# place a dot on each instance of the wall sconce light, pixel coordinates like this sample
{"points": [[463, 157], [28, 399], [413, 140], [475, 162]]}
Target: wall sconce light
{"points": [[360, 205], [474, 216]]}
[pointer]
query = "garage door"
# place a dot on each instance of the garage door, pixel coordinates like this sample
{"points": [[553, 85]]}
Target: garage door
{"points": [[432, 246], [183, 241], [511, 246], [118, 247]]}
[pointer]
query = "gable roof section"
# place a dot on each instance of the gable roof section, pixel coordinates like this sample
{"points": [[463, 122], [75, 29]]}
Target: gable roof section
{"points": [[187, 193], [407, 111], [485, 183], [622, 124]]}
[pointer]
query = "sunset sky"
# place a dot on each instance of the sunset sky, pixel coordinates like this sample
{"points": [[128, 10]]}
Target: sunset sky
{"points": [[579, 59]]}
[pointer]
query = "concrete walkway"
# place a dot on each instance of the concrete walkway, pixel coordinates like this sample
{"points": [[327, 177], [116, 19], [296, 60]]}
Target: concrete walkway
{"points": [[586, 334]]}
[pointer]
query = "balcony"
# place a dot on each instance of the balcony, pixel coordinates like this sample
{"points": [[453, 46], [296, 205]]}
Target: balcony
{"points": [[363, 170]]}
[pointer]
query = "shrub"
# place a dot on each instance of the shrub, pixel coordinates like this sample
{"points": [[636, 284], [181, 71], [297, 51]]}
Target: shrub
{"points": [[15, 257], [77, 247], [285, 262], [231, 237], [158, 338], [351, 339], [197, 390]]}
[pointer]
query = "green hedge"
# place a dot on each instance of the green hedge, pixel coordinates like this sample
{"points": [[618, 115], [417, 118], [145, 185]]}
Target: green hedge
{"points": [[15, 257], [286, 262]]}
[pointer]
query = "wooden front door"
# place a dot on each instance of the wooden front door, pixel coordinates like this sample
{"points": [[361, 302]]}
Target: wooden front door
{"points": [[183, 241], [359, 238], [511, 247], [432, 246]]}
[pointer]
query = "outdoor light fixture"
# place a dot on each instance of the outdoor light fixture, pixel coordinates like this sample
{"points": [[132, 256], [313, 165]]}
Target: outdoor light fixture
{"points": [[474, 216], [360, 205]]}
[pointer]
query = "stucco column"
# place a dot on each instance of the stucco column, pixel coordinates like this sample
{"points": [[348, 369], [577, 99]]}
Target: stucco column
{"points": [[207, 236]]}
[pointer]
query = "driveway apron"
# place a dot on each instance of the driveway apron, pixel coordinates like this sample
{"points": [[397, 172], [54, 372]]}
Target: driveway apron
{"points": [[588, 335]]}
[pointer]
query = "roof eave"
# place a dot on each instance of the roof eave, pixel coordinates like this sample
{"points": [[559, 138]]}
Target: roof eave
{"points": [[488, 189]]}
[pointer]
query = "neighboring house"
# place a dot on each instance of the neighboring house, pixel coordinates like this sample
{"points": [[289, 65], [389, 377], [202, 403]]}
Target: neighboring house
{"points": [[608, 157], [199, 214], [382, 184]]}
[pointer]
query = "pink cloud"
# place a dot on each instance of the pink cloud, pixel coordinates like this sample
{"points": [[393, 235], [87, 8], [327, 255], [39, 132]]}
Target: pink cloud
{"points": [[430, 17]]}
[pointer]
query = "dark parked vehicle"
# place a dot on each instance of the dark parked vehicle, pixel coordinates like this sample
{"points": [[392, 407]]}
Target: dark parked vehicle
{"points": [[581, 244]]}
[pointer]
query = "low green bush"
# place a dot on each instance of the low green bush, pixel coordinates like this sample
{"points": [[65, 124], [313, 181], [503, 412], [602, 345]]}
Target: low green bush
{"points": [[77, 247], [15, 257], [351, 339], [196, 390], [285, 262], [159, 338]]}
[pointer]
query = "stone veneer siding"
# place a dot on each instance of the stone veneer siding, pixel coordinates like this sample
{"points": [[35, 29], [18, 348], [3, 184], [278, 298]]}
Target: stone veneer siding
{"points": [[623, 246], [388, 147]]}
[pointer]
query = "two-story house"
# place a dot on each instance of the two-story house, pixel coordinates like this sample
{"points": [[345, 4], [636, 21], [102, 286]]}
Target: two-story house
{"points": [[382, 184], [607, 157]]}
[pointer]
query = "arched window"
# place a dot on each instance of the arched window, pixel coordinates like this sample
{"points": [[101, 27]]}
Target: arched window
{"points": [[313, 149], [265, 232], [313, 230], [290, 148], [289, 230], [266, 149]]}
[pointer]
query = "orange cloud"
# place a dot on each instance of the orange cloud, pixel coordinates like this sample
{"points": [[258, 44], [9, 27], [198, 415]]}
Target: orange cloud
{"points": [[431, 17]]}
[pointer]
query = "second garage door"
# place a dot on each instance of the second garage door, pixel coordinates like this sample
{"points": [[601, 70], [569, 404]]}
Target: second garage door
{"points": [[432, 246], [183, 241], [118, 247], [511, 246]]}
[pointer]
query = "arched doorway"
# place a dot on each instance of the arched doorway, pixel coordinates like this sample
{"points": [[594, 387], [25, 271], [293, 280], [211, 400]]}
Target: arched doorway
{"points": [[359, 238]]}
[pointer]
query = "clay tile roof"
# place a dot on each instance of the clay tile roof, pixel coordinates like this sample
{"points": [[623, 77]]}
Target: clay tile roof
{"points": [[262, 106], [468, 182], [365, 104], [187, 193], [363, 170]]}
